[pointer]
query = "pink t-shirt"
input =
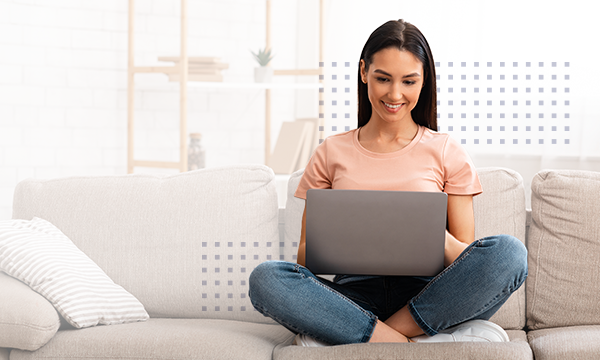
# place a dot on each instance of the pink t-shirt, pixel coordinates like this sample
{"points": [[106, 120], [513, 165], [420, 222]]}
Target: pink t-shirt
{"points": [[430, 162]]}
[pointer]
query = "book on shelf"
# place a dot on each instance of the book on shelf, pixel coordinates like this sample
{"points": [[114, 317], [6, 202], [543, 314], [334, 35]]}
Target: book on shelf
{"points": [[200, 68], [198, 62], [198, 77], [293, 147], [192, 59], [217, 67], [206, 70], [202, 72], [312, 140]]}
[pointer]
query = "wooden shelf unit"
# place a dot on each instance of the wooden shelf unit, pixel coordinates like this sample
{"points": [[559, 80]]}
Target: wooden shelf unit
{"points": [[182, 69]]}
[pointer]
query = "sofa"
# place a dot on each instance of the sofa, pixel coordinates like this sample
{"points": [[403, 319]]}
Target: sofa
{"points": [[184, 246]]}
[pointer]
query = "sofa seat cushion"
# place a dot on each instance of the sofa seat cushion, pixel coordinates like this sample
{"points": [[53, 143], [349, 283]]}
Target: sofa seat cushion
{"points": [[564, 247], [27, 319], [184, 245], [4, 353], [517, 348], [165, 339], [575, 342]]}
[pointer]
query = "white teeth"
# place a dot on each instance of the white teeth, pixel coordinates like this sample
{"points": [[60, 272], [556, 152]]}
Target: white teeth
{"points": [[392, 106]]}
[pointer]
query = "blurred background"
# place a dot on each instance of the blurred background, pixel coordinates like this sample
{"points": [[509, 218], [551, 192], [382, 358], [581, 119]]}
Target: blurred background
{"points": [[517, 81]]}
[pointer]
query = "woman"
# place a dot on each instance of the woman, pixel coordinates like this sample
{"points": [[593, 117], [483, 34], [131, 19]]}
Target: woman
{"points": [[396, 147]]}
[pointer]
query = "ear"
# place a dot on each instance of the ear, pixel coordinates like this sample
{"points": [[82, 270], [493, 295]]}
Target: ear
{"points": [[363, 72]]}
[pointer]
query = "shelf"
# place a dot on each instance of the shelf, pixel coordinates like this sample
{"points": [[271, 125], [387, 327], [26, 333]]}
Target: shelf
{"points": [[227, 85], [174, 69], [180, 69], [162, 84], [157, 164]]}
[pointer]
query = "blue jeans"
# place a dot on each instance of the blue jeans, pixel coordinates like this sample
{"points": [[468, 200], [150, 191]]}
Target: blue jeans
{"points": [[346, 310]]}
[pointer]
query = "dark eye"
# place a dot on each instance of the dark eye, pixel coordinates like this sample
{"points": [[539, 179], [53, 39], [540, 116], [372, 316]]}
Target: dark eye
{"points": [[382, 79], [410, 82]]}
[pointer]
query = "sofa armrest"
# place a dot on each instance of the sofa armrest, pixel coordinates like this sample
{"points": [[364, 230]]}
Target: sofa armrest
{"points": [[27, 320]]}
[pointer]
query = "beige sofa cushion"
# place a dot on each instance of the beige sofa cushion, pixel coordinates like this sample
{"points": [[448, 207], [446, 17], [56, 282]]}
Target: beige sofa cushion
{"points": [[168, 339], [27, 320], [294, 208], [500, 209], [183, 245], [516, 349], [564, 248], [575, 342], [4, 354]]}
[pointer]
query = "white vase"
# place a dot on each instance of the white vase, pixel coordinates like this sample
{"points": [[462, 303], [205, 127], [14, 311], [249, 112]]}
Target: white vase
{"points": [[263, 74]]}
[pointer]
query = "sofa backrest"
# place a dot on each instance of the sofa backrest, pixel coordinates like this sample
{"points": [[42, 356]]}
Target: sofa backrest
{"points": [[294, 208], [184, 245], [500, 209], [564, 248]]}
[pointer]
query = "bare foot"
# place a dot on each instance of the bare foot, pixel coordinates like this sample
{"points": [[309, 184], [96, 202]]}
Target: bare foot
{"points": [[383, 333]]}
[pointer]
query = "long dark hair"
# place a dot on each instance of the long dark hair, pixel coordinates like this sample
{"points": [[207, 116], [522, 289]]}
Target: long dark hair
{"points": [[403, 36]]}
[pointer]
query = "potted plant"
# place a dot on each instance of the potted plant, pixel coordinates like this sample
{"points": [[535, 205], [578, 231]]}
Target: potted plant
{"points": [[264, 73]]}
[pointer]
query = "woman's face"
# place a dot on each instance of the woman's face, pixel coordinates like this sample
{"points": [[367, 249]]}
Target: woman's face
{"points": [[394, 81]]}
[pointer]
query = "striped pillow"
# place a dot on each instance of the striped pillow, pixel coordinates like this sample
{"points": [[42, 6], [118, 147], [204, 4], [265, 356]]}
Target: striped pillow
{"points": [[41, 256]]}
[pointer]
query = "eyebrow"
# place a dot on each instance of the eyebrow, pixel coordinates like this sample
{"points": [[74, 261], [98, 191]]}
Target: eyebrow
{"points": [[405, 76]]}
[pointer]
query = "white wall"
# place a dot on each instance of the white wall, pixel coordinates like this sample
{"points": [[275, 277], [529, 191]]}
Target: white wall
{"points": [[63, 77], [493, 31], [63, 84], [483, 31]]}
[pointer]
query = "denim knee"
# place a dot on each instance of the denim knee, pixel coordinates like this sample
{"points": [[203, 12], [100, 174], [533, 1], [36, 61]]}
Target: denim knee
{"points": [[262, 279], [512, 254]]}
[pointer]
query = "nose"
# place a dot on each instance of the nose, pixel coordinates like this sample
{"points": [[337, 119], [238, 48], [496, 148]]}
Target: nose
{"points": [[395, 93]]}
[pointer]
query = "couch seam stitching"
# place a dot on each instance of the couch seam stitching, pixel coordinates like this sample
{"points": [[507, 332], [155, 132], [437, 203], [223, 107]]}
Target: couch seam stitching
{"points": [[515, 210], [36, 327], [537, 270]]}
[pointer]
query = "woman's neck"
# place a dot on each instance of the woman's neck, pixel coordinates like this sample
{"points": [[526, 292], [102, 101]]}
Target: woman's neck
{"points": [[384, 138]]}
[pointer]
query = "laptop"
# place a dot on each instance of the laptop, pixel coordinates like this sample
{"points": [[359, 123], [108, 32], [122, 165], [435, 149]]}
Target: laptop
{"points": [[371, 232]]}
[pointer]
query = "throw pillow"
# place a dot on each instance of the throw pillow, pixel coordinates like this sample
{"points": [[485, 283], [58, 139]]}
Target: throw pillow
{"points": [[41, 256], [27, 320]]}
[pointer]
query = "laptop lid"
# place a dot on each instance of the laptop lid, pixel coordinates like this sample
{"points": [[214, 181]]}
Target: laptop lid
{"points": [[373, 232]]}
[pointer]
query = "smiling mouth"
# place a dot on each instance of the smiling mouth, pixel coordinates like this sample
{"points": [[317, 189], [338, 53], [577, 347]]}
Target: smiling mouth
{"points": [[391, 106]]}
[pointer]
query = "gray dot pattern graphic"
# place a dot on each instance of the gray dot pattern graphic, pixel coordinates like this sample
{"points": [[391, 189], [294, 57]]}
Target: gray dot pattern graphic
{"points": [[225, 272], [479, 103]]}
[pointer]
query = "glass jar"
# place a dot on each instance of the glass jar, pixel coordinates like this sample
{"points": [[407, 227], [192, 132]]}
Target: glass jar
{"points": [[196, 152]]}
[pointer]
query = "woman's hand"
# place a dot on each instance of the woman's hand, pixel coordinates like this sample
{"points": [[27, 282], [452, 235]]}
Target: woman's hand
{"points": [[452, 249]]}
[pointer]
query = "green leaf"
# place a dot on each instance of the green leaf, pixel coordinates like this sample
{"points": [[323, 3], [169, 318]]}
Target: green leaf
{"points": [[263, 57]]}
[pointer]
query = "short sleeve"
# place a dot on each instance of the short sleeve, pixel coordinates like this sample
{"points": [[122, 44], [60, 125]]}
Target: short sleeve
{"points": [[460, 176], [316, 174]]}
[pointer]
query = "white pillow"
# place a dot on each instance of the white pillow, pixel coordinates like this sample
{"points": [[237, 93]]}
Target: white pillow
{"points": [[41, 256]]}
